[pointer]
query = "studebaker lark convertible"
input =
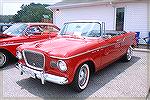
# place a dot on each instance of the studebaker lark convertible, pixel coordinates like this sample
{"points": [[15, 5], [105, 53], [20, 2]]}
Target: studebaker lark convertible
{"points": [[80, 49], [21, 33]]}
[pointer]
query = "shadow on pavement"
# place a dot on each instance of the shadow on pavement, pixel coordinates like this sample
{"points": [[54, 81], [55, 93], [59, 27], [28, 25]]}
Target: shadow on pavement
{"points": [[10, 65], [97, 81]]}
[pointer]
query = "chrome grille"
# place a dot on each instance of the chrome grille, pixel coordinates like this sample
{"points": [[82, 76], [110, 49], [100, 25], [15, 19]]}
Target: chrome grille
{"points": [[33, 59]]}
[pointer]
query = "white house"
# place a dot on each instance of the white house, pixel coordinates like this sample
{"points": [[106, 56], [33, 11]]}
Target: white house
{"points": [[128, 15]]}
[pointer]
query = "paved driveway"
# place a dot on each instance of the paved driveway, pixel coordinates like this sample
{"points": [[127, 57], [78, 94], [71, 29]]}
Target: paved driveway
{"points": [[119, 80]]}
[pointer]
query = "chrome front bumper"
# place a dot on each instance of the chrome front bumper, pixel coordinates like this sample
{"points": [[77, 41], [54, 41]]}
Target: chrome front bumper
{"points": [[41, 75]]}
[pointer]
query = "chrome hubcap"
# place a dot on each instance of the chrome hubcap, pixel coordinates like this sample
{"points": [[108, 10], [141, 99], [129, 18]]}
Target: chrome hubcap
{"points": [[2, 59], [83, 76], [129, 53]]}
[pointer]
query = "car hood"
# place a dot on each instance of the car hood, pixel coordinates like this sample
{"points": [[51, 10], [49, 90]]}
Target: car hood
{"points": [[61, 47]]}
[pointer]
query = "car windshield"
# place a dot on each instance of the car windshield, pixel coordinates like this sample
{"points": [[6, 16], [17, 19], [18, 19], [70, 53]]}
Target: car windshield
{"points": [[84, 29], [16, 29]]}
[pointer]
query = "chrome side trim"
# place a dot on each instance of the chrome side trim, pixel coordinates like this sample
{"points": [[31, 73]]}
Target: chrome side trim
{"points": [[29, 64], [120, 40], [10, 44], [83, 52]]}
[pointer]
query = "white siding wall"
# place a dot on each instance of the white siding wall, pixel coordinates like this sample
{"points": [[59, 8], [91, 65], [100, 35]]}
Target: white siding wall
{"points": [[148, 11], [1, 8], [103, 13], [136, 18]]}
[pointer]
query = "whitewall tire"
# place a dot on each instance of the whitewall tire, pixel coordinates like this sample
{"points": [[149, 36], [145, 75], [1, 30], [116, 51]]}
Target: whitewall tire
{"points": [[128, 56], [3, 59], [81, 78]]}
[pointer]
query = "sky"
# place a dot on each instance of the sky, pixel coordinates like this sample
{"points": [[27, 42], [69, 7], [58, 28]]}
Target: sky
{"points": [[10, 7]]}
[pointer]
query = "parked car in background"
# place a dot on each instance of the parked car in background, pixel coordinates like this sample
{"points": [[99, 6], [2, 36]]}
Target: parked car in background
{"points": [[21, 33], [4, 26], [80, 49]]}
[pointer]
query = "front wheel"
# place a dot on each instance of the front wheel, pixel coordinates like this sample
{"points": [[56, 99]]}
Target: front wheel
{"points": [[3, 59], [81, 78], [128, 56]]}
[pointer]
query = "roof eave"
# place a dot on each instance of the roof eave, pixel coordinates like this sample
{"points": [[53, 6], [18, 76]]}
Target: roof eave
{"points": [[76, 5], [90, 4]]}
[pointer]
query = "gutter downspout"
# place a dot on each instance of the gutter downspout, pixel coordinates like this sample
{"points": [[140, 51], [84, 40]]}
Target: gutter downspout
{"points": [[114, 16], [114, 20], [110, 2]]}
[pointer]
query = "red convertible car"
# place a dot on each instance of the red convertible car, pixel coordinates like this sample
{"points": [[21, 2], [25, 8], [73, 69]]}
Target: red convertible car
{"points": [[21, 33], [80, 49], [4, 26]]}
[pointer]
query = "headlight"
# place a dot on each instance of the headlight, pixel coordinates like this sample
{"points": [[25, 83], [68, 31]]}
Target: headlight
{"points": [[62, 65], [18, 55]]}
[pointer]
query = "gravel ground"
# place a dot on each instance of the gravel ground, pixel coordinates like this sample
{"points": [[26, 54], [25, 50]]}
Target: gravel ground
{"points": [[120, 80]]}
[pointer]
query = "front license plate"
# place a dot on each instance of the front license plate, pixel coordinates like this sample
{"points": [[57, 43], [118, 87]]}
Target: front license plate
{"points": [[29, 72]]}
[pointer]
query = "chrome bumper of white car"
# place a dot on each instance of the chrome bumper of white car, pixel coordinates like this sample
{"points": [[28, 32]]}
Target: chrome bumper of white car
{"points": [[40, 75]]}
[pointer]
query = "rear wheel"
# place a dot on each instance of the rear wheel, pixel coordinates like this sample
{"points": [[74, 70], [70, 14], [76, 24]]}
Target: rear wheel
{"points": [[81, 78], [3, 59], [128, 56]]}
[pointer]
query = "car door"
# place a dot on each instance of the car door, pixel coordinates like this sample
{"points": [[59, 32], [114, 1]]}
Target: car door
{"points": [[38, 32], [28, 35], [15, 41], [110, 50]]}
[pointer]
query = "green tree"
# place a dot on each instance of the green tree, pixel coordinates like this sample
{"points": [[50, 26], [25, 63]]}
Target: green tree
{"points": [[31, 13], [5, 18]]}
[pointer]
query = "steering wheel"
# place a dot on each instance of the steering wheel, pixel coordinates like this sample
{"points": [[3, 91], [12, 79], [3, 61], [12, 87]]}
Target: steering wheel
{"points": [[93, 33]]}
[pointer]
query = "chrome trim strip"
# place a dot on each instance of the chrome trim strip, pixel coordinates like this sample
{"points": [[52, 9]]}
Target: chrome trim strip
{"points": [[29, 64], [120, 40], [5, 44], [83, 52]]}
